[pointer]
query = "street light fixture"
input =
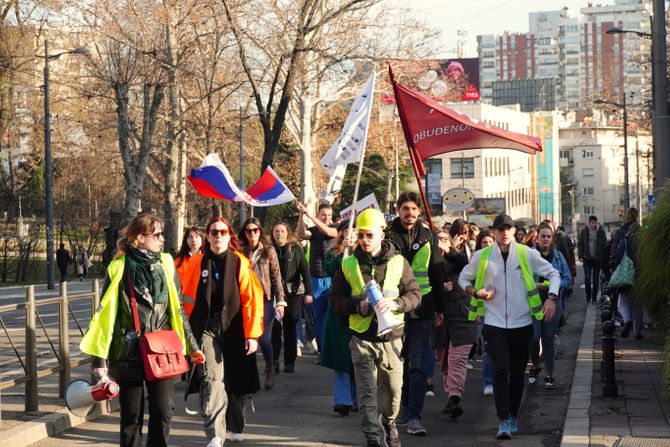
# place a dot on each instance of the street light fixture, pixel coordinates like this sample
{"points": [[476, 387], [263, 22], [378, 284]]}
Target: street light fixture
{"points": [[626, 194], [659, 82], [48, 165]]}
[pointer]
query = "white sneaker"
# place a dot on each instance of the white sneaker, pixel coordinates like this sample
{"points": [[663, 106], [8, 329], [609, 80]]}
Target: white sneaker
{"points": [[215, 442], [299, 351], [236, 437], [314, 345], [488, 390]]}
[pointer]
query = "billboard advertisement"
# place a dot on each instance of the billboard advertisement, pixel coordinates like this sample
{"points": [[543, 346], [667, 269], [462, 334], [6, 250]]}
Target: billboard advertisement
{"points": [[445, 80], [485, 210]]}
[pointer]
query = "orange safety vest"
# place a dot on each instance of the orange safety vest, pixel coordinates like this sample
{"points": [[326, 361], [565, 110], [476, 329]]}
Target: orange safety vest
{"points": [[251, 293], [189, 275]]}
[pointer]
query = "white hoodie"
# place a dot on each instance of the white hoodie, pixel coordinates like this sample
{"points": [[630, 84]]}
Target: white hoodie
{"points": [[509, 308]]}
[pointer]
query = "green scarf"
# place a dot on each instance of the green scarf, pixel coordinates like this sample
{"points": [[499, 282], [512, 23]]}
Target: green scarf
{"points": [[145, 269]]}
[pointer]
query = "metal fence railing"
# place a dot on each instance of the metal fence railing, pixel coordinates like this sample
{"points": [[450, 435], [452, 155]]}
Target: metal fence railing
{"points": [[29, 369]]}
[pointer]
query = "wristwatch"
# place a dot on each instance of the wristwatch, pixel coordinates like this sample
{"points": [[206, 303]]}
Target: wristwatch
{"points": [[552, 297]]}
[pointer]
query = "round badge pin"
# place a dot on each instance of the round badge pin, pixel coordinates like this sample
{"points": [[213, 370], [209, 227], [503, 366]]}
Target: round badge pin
{"points": [[205, 273], [415, 246]]}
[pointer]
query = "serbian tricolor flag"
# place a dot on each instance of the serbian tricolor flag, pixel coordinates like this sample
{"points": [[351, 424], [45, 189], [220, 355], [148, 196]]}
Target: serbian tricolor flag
{"points": [[269, 190], [213, 180], [432, 129]]}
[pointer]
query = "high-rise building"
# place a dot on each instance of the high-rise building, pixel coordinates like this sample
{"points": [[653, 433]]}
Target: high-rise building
{"points": [[574, 50]]}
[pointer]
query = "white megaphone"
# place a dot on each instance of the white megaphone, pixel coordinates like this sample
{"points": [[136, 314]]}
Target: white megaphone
{"points": [[81, 396], [387, 321]]}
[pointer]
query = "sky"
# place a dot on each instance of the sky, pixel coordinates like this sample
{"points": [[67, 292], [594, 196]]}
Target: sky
{"points": [[483, 17]]}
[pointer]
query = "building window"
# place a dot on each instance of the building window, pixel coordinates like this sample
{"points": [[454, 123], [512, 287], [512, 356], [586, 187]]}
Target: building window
{"points": [[462, 168], [589, 209], [433, 166], [587, 172], [587, 154], [588, 191]]}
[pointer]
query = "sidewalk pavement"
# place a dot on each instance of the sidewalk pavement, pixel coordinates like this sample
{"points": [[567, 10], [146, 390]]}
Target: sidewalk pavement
{"points": [[640, 415]]}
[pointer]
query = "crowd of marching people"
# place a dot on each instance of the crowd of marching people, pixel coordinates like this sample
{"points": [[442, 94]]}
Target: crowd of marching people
{"points": [[384, 301]]}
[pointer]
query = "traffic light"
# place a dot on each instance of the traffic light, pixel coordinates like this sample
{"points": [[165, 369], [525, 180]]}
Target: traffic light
{"points": [[620, 212]]}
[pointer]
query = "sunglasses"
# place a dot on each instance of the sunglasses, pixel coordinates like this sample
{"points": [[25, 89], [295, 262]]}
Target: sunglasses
{"points": [[252, 230], [155, 235], [214, 232], [366, 235]]}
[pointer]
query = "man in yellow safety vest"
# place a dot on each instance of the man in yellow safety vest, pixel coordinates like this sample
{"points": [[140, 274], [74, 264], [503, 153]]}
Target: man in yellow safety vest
{"points": [[376, 357], [500, 280]]}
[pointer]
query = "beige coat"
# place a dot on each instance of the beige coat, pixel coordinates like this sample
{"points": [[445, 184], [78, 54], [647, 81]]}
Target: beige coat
{"points": [[267, 270]]}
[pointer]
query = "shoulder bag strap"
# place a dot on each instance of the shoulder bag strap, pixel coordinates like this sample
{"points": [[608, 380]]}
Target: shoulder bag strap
{"points": [[133, 304]]}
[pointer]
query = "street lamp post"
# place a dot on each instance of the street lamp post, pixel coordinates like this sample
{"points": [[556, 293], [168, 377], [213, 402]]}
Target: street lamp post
{"points": [[661, 119], [243, 215], [48, 163], [626, 189]]}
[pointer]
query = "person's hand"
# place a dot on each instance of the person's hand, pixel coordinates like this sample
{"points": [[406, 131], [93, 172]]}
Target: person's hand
{"points": [[459, 241], [386, 305], [280, 311], [350, 240], [363, 307], [448, 286], [549, 310], [486, 294], [100, 373], [301, 207], [197, 357], [251, 345], [309, 299], [439, 319]]}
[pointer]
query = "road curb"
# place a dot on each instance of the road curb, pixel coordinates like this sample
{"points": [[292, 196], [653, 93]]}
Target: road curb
{"points": [[51, 424], [576, 427]]}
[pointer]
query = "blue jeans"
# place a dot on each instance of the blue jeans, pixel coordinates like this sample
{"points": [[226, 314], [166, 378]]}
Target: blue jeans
{"points": [[321, 289], [266, 339], [429, 362], [545, 330], [414, 380], [591, 279], [344, 388]]}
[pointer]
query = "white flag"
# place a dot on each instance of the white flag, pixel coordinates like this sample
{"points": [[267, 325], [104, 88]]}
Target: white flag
{"points": [[334, 185], [349, 146]]}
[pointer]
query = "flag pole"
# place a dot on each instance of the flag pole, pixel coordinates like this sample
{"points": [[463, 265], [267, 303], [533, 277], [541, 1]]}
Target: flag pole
{"points": [[412, 155], [360, 164], [415, 168]]}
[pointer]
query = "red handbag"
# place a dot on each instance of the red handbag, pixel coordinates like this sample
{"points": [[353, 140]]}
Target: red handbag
{"points": [[161, 351]]}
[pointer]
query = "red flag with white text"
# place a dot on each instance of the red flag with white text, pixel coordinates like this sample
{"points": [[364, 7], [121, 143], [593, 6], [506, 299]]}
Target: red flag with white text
{"points": [[433, 129]]}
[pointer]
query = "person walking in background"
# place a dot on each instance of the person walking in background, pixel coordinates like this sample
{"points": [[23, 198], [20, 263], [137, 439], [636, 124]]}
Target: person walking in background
{"points": [[377, 360], [227, 320], [418, 245], [191, 244], [336, 354], [139, 264], [297, 284], [545, 330], [500, 281], [592, 250], [263, 257], [83, 264], [320, 236], [630, 311], [485, 239], [63, 260], [455, 334]]}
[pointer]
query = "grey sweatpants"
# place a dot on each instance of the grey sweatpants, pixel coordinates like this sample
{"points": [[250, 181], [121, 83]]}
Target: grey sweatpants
{"points": [[213, 397]]}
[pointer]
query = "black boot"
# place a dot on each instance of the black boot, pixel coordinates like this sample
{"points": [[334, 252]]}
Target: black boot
{"points": [[456, 409]]}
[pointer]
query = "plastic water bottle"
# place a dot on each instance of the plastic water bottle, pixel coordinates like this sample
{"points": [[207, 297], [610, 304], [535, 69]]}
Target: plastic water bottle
{"points": [[374, 292]]}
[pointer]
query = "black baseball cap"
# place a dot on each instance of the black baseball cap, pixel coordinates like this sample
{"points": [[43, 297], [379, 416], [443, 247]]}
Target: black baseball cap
{"points": [[501, 221]]}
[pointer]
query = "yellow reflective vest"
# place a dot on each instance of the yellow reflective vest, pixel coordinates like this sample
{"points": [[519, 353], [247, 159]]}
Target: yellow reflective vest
{"points": [[98, 337], [476, 306], [390, 287], [420, 263]]}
